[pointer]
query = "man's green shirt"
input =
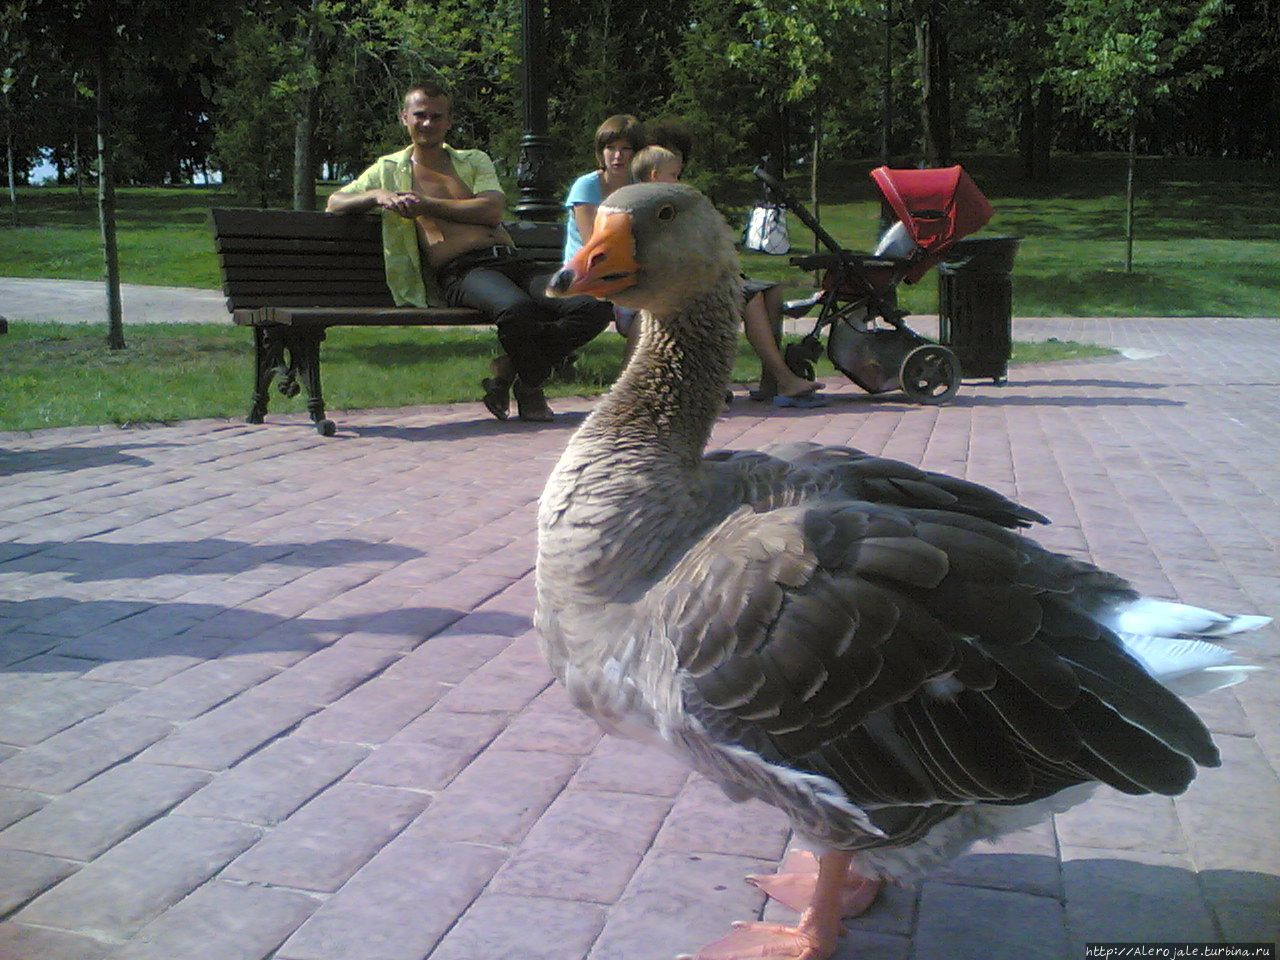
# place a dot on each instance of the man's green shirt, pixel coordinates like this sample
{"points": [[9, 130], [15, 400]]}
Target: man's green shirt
{"points": [[399, 236]]}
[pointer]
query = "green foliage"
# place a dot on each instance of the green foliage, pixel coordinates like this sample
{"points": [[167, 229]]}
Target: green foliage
{"points": [[253, 144], [1119, 58]]}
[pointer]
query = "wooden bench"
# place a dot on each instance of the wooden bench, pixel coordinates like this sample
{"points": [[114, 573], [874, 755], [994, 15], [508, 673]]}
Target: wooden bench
{"points": [[290, 275]]}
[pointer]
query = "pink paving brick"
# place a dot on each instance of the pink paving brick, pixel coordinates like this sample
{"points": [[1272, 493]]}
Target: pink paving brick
{"points": [[98, 814], [73, 756], [497, 797], [972, 923], [52, 707], [16, 804], [1132, 897], [1111, 820], [330, 838], [399, 905], [24, 875], [127, 887], [219, 738], [222, 921], [271, 784], [18, 941], [449, 657], [429, 752], [704, 820], [374, 711], [677, 902], [195, 691], [553, 724], [530, 928], [585, 847], [624, 766], [1025, 861]]}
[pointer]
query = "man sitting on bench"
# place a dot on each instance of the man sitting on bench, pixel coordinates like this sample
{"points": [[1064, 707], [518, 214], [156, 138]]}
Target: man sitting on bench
{"points": [[442, 220]]}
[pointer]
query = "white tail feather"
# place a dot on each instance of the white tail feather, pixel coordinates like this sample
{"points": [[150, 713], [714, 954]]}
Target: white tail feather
{"points": [[1165, 638], [1167, 619]]}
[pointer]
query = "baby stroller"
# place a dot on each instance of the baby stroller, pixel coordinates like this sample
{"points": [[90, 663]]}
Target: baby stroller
{"points": [[869, 342]]}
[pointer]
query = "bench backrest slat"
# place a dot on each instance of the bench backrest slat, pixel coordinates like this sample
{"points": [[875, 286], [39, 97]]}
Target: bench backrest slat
{"points": [[298, 258]]}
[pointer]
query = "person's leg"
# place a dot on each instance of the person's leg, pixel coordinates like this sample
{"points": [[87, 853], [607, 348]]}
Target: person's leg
{"points": [[762, 312], [517, 317], [519, 321], [569, 323]]}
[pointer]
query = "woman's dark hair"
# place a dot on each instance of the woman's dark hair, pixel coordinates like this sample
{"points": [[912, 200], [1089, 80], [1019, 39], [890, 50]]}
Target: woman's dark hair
{"points": [[621, 126]]}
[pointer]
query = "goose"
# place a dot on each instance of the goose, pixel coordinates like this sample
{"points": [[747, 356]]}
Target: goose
{"points": [[877, 650]]}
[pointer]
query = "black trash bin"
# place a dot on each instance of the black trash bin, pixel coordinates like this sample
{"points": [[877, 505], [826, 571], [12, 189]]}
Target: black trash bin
{"points": [[975, 304]]}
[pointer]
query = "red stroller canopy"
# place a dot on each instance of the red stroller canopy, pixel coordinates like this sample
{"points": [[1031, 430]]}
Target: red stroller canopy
{"points": [[937, 207]]}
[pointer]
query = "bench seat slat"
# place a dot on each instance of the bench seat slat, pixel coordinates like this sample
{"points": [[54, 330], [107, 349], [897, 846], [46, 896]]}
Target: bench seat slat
{"points": [[303, 290], [235, 276], [291, 263], [241, 301], [363, 248], [362, 317]]}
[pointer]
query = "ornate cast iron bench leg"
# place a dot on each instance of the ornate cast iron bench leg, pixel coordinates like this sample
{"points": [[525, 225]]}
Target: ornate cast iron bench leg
{"points": [[268, 358], [304, 350]]}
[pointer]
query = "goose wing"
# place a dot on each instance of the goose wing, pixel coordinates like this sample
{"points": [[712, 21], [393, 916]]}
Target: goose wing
{"points": [[861, 476], [915, 658]]}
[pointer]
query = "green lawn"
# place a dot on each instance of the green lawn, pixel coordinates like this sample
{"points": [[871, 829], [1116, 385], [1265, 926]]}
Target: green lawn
{"points": [[1206, 244], [62, 375]]}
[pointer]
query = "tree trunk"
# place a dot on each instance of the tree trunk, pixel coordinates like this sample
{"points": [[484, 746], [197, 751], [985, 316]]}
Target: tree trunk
{"points": [[1045, 109], [107, 210], [886, 88], [1128, 195], [13, 183], [886, 113], [75, 148], [304, 172], [1027, 131], [935, 85]]}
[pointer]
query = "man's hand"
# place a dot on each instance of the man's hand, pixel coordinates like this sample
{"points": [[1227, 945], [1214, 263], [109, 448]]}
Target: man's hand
{"points": [[405, 203]]}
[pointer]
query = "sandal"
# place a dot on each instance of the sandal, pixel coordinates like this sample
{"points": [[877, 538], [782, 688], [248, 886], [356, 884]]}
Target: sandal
{"points": [[805, 401], [531, 403], [497, 396]]}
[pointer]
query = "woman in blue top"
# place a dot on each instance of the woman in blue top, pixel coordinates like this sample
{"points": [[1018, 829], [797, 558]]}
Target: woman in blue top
{"points": [[617, 141]]}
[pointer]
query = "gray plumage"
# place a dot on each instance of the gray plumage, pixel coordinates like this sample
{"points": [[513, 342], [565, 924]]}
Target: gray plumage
{"points": [[869, 646]]}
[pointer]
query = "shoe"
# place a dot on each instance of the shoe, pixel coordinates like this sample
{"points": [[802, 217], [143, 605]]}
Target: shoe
{"points": [[497, 396], [531, 403], [805, 401]]}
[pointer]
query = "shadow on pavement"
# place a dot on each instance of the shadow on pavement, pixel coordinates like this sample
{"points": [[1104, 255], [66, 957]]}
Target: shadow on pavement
{"points": [[468, 428], [62, 631], [68, 459]]}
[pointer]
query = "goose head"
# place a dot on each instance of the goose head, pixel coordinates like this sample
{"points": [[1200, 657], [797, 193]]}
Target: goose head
{"points": [[655, 246]]}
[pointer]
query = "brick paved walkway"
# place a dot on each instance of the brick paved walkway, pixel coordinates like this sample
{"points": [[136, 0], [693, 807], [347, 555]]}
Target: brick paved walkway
{"points": [[270, 695]]}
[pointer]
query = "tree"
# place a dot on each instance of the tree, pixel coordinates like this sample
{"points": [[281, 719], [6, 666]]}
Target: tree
{"points": [[1120, 58], [104, 38]]}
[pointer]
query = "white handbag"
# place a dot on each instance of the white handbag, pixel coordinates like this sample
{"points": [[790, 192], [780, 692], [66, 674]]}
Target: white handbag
{"points": [[766, 230]]}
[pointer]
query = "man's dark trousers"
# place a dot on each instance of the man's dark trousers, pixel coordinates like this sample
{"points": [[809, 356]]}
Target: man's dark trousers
{"points": [[536, 331]]}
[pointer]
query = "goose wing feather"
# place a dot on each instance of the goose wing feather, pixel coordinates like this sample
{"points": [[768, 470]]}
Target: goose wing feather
{"points": [[862, 476], [915, 658]]}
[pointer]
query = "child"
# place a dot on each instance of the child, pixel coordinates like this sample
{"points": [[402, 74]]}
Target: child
{"points": [[657, 164]]}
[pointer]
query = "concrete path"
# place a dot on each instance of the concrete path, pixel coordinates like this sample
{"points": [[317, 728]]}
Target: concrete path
{"points": [[85, 301], [268, 695]]}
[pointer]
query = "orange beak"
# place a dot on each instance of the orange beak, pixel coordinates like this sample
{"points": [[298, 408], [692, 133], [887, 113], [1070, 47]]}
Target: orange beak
{"points": [[605, 264]]}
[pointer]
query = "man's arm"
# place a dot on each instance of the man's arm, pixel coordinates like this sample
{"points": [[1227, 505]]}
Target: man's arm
{"points": [[484, 208], [361, 200]]}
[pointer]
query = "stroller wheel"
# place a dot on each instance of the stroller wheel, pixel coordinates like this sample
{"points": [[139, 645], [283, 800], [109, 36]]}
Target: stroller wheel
{"points": [[801, 355], [930, 374]]}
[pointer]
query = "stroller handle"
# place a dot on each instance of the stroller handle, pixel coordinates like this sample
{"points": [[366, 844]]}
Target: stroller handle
{"points": [[803, 215], [851, 264]]}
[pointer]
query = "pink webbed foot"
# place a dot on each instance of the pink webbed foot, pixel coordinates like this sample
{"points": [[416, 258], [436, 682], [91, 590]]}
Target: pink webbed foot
{"points": [[793, 885], [757, 941]]}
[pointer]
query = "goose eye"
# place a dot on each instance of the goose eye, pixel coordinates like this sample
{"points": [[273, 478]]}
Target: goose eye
{"points": [[666, 213]]}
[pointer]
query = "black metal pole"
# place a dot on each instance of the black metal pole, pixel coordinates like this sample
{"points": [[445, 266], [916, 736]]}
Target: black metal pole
{"points": [[533, 171]]}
